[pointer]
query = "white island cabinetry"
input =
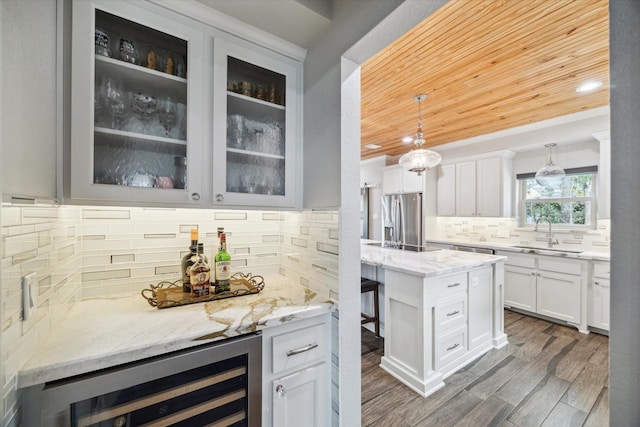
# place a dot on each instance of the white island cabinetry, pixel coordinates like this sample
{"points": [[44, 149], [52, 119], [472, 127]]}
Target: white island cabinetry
{"points": [[442, 308]]}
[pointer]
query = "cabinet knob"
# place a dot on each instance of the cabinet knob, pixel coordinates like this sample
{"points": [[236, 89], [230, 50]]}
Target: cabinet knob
{"points": [[280, 391], [195, 196], [597, 283], [219, 197]]}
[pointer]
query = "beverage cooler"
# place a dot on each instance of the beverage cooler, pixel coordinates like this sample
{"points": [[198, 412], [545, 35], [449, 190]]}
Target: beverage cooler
{"points": [[215, 384]]}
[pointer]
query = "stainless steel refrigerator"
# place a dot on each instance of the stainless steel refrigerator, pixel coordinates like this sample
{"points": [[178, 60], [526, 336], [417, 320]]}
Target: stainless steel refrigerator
{"points": [[402, 220]]}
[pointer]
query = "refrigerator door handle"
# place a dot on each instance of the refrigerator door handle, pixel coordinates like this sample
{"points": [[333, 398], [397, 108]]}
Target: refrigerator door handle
{"points": [[398, 221], [402, 238]]}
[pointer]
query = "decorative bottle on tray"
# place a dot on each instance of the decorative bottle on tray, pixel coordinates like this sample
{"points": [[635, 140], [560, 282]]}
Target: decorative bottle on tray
{"points": [[223, 267], [200, 274], [188, 260]]}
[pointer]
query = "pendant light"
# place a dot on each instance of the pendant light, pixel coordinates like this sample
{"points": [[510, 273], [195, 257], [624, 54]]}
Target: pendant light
{"points": [[419, 159], [550, 175]]}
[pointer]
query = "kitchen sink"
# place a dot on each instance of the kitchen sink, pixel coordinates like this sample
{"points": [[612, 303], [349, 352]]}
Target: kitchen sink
{"points": [[539, 249]]}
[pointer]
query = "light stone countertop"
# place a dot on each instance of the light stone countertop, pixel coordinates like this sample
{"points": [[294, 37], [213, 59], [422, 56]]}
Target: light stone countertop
{"points": [[511, 247], [432, 263], [102, 333]]}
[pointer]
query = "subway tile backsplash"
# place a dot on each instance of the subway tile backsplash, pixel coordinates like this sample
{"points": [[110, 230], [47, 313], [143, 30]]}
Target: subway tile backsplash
{"points": [[88, 251], [507, 231]]}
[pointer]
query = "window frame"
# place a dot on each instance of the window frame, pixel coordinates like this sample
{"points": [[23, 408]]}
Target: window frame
{"points": [[521, 183]]}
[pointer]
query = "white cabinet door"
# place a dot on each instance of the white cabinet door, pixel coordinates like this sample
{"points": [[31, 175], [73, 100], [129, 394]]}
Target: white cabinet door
{"points": [[412, 182], [392, 180], [446, 190], [301, 399], [520, 287], [599, 292], [558, 295], [480, 307], [136, 131], [466, 188], [489, 187], [256, 137]]}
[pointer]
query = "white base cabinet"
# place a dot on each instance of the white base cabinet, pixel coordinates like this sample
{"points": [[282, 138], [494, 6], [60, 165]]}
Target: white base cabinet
{"points": [[598, 296], [296, 371], [547, 285], [437, 325]]}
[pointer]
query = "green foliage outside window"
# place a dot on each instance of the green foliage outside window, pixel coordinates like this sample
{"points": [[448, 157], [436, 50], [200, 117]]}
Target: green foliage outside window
{"points": [[569, 204]]}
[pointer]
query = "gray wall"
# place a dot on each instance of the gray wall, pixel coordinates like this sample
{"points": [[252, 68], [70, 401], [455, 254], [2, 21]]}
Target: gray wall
{"points": [[624, 341], [352, 19]]}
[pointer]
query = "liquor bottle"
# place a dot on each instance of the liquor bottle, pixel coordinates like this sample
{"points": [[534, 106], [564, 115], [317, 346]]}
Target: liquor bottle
{"points": [[200, 274], [223, 267], [187, 262]]}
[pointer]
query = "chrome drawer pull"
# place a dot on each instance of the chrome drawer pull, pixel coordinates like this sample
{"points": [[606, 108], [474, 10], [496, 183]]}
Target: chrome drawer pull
{"points": [[301, 349], [453, 346], [453, 313], [453, 285]]}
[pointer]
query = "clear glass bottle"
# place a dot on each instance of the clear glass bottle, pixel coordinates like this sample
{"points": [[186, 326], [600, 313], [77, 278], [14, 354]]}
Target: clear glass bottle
{"points": [[187, 262], [223, 267], [200, 274]]}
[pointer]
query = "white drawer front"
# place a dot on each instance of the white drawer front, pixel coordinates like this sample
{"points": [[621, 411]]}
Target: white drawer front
{"points": [[560, 265], [297, 348], [451, 312], [451, 346], [453, 284], [519, 260], [601, 270]]}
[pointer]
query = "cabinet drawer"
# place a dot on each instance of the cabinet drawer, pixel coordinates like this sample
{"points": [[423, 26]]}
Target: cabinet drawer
{"points": [[450, 285], [560, 265], [526, 261], [451, 312], [601, 270], [451, 346], [299, 347]]}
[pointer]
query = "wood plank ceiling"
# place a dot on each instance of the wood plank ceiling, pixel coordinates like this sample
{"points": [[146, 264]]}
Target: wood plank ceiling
{"points": [[486, 66]]}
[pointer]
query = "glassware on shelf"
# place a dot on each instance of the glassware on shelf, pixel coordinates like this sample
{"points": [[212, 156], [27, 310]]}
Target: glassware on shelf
{"points": [[235, 131], [180, 129], [167, 113], [180, 163], [114, 98], [103, 47], [144, 107], [127, 50]]}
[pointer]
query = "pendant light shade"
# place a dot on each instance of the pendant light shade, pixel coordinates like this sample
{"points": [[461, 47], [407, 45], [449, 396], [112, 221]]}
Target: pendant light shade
{"points": [[550, 175], [419, 159]]}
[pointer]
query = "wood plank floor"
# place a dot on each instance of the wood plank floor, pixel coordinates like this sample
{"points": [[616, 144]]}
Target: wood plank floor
{"points": [[548, 375]]}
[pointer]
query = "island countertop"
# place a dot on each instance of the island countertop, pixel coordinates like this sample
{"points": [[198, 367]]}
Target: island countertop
{"points": [[431, 263], [101, 333]]}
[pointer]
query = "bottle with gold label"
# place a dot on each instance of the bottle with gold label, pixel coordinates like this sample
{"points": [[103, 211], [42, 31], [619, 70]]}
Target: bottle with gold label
{"points": [[187, 262], [200, 274], [223, 267]]}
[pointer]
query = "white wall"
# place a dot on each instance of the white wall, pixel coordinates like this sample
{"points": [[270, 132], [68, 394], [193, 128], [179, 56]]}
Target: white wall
{"points": [[566, 156], [371, 175]]}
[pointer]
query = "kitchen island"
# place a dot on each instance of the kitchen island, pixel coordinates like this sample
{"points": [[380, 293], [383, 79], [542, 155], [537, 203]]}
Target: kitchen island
{"points": [[443, 309]]}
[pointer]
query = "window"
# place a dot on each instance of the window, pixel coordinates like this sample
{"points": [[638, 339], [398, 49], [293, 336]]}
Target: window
{"points": [[573, 203]]}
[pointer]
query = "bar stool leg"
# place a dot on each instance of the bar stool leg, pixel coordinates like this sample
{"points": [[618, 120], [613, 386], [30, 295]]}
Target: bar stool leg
{"points": [[376, 311]]}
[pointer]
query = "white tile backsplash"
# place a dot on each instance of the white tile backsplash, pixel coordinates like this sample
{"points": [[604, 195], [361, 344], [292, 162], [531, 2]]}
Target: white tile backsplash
{"points": [[507, 231], [86, 252]]}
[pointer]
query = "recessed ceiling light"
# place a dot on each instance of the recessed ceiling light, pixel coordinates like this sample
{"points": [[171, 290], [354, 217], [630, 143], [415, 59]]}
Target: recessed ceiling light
{"points": [[372, 146], [407, 139], [588, 86]]}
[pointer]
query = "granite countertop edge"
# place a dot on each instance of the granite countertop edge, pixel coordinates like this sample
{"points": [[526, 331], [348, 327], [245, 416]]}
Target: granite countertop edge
{"points": [[85, 343]]}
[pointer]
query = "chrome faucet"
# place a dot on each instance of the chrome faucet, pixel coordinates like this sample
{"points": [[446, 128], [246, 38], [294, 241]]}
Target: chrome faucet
{"points": [[550, 240]]}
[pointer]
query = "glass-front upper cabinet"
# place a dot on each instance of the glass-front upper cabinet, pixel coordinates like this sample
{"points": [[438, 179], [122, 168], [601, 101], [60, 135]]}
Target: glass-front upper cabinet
{"points": [[136, 130], [256, 134]]}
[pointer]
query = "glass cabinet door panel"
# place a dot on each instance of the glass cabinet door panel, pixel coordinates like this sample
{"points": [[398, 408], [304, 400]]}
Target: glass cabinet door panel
{"points": [[140, 105], [255, 127], [132, 82]]}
